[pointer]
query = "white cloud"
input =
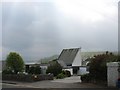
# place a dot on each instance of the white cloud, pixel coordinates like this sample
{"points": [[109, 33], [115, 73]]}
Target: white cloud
{"points": [[87, 10], [17, 1]]}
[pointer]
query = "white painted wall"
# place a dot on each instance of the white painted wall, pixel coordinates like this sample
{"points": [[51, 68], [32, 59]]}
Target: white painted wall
{"points": [[43, 69], [78, 60]]}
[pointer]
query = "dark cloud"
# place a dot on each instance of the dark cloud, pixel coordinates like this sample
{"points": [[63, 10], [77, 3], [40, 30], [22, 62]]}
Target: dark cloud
{"points": [[15, 35], [21, 34], [39, 30]]}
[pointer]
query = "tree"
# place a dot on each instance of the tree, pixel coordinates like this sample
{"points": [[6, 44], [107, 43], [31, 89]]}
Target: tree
{"points": [[98, 67], [55, 68], [15, 62]]}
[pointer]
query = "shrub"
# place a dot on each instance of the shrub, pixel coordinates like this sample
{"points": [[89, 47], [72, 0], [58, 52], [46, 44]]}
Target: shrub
{"points": [[98, 68], [85, 78], [60, 76], [66, 73], [34, 70], [63, 72], [37, 70], [55, 68], [7, 71]]}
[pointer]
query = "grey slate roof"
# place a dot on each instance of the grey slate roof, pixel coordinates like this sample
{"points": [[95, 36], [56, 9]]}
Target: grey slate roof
{"points": [[62, 63], [67, 55]]}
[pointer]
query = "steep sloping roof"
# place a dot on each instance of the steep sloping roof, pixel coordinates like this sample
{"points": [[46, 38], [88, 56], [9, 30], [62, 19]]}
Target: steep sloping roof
{"points": [[68, 55], [62, 63]]}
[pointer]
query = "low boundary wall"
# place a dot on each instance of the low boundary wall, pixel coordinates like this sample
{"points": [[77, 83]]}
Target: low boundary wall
{"points": [[27, 78]]}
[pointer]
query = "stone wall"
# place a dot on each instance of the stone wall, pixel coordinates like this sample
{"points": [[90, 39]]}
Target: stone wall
{"points": [[112, 73], [27, 78]]}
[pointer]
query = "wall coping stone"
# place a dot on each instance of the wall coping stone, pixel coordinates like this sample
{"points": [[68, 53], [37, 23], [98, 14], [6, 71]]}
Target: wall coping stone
{"points": [[113, 64]]}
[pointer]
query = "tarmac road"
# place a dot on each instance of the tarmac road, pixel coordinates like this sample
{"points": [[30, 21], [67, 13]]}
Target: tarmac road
{"points": [[67, 83]]}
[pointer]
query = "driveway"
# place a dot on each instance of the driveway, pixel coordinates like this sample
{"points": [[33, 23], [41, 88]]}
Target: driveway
{"points": [[72, 79]]}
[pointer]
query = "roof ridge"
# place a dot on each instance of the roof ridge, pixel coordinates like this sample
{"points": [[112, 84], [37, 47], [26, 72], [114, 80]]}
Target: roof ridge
{"points": [[70, 48]]}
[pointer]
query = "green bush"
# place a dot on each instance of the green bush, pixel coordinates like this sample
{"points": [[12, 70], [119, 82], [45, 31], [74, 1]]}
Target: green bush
{"points": [[55, 68], [34, 70], [7, 71], [63, 72], [85, 78], [60, 76], [66, 73], [98, 68]]}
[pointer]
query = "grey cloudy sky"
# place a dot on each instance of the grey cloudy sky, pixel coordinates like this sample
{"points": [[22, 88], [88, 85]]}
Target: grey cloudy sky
{"points": [[41, 29]]}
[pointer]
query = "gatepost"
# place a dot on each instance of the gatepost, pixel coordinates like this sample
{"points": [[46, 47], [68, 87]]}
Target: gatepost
{"points": [[112, 73]]}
